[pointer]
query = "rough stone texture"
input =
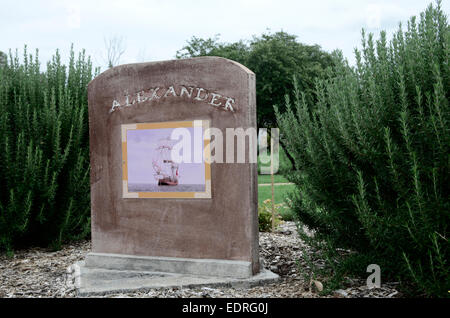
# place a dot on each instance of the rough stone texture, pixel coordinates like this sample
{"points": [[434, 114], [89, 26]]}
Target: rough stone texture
{"points": [[223, 227]]}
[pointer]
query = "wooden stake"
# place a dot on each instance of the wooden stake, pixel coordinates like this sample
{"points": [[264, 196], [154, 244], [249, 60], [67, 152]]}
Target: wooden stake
{"points": [[271, 177]]}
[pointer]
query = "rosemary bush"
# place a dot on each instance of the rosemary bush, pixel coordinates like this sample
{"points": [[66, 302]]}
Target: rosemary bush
{"points": [[44, 151], [372, 157]]}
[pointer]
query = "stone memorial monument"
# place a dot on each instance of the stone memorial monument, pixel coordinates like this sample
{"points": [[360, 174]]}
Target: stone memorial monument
{"points": [[161, 222]]}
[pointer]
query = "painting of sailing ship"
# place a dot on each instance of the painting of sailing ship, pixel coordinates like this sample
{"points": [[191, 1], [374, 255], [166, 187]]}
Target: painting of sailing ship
{"points": [[165, 169], [150, 164]]}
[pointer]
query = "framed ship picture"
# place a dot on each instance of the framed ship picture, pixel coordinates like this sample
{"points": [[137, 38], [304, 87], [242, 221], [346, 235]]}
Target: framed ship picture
{"points": [[166, 160]]}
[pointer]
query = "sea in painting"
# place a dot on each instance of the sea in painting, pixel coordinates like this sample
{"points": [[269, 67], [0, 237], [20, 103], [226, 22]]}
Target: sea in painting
{"points": [[151, 187]]}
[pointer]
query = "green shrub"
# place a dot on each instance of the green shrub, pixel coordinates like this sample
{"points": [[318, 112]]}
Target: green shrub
{"points": [[265, 215], [372, 157], [44, 151], [3, 59], [281, 193], [286, 212]]}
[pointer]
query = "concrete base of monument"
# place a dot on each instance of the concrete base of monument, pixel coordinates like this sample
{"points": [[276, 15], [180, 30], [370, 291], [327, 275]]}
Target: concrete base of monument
{"points": [[178, 265], [112, 273]]}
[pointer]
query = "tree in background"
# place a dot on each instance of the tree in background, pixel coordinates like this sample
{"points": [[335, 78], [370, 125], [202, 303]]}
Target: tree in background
{"points": [[195, 47], [372, 158], [275, 59], [115, 48]]}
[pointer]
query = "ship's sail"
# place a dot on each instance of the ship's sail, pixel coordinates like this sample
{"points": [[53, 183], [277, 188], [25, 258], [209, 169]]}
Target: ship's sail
{"points": [[165, 170]]}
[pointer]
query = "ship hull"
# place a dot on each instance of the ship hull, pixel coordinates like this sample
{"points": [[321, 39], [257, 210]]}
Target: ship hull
{"points": [[167, 182]]}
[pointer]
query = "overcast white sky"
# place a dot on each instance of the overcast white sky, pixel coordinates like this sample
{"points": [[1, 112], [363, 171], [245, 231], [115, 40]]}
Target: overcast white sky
{"points": [[155, 29]]}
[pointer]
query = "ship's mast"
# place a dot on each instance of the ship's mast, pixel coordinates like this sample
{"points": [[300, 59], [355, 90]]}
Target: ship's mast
{"points": [[163, 166]]}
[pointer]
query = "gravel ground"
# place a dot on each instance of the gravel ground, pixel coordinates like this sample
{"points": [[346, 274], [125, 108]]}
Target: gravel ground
{"points": [[38, 272]]}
